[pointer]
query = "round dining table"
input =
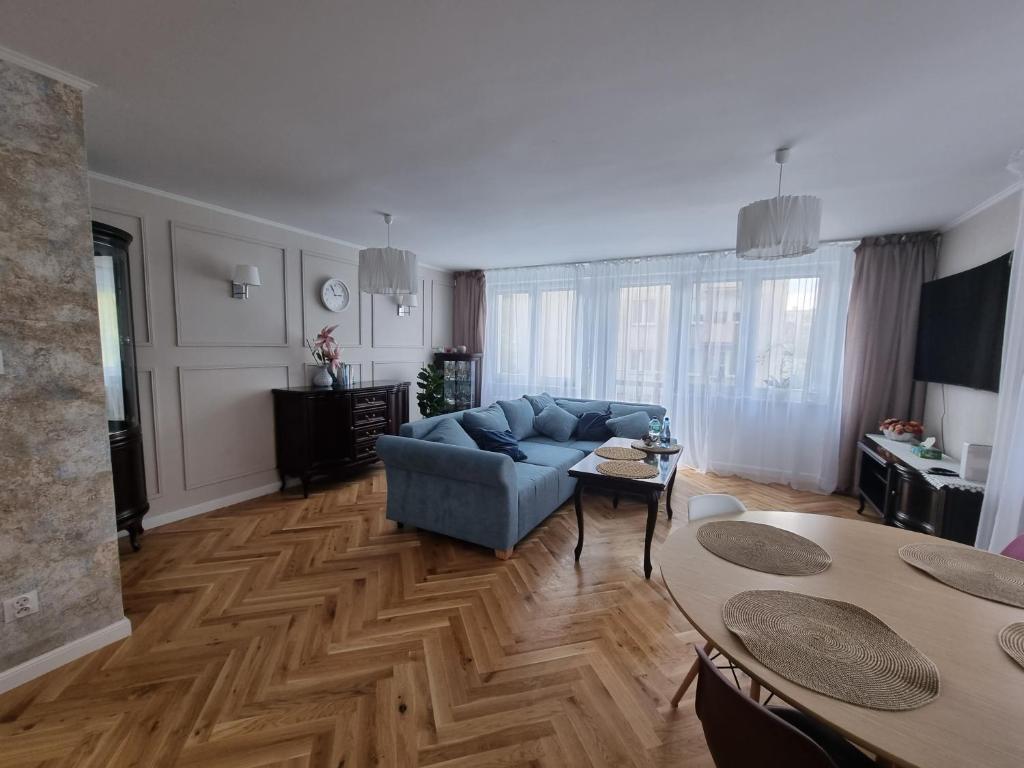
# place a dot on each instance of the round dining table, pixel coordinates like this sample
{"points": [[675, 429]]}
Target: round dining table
{"points": [[978, 718]]}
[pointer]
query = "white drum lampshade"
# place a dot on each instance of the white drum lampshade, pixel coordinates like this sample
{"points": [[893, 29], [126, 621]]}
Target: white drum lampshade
{"points": [[789, 225], [387, 270], [780, 227]]}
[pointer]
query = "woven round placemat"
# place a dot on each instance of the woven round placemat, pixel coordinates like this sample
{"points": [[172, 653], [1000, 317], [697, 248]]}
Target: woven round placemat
{"points": [[832, 647], [763, 548], [655, 448], [974, 571], [634, 470], [1011, 640], [619, 453]]}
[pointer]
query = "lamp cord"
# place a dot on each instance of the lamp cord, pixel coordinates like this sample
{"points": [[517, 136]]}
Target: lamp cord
{"points": [[779, 193]]}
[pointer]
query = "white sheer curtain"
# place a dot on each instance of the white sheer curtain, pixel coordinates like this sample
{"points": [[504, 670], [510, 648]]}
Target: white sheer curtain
{"points": [[745, 355], [1002, 511]]}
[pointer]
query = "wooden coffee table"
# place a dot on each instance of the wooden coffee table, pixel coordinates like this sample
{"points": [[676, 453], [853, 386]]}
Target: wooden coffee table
{"points": [[586, 475]]}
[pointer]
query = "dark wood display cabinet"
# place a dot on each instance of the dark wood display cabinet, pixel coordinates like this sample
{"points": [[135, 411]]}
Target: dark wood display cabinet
{"points": [[330, 432], [462, 377], [905, 496], [120, 378]]}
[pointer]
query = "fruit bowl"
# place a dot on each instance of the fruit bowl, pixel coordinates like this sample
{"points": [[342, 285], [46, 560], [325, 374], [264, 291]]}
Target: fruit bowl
{"points": [[901, 430]]}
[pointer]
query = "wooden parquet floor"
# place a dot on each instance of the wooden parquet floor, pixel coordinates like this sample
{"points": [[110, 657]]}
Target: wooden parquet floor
{"points": [[314, 634]]}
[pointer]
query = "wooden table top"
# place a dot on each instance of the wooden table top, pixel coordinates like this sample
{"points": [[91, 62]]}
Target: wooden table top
{"points": [[978, 719], [664, 462]]}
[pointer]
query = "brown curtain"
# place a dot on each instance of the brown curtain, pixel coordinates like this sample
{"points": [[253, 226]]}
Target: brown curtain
{"points": [[881, 332], [469, 312]]}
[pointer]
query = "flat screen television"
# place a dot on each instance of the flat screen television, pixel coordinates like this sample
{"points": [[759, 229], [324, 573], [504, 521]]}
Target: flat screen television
{"points": [[960, 327]]}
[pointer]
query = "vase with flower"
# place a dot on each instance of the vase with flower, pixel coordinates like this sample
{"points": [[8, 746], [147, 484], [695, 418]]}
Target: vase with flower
{"points": [[327, 356]]}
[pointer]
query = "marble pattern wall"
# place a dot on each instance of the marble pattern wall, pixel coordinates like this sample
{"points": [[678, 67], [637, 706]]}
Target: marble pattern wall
{"points": [[56, 498]]}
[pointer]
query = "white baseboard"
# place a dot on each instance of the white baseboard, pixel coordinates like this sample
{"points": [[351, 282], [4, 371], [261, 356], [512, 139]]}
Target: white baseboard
{"points": [[174, 515], [58, 657]]}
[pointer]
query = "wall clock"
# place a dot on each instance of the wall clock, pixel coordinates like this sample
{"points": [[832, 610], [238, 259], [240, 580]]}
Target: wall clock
{"points": [[334, 294]]}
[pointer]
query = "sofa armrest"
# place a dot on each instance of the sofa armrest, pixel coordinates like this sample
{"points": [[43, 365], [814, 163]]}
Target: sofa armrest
{"points": [[466, 464]]}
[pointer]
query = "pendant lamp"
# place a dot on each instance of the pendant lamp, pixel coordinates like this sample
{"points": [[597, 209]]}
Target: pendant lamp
{"points": [[781, 226], [387, 270]]}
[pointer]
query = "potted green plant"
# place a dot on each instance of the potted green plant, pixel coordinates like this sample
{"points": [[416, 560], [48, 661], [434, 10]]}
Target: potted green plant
{"points": [[430, 397]]}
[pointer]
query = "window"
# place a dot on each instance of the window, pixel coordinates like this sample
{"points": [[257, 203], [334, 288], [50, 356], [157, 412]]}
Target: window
{"points": [[785, 319], [715, 332], [556, 344], [513, 322], [643, 330]]}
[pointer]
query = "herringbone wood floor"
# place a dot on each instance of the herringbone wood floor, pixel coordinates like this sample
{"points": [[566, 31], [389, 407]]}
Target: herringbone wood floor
{"points": [[292, 632]]}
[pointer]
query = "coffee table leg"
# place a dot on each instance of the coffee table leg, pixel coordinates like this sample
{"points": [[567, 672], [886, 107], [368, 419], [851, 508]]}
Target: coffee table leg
{"points": [[577, 498], [652, 518], [668, 498]]}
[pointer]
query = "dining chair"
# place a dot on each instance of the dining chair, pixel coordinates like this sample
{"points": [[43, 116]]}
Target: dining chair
{"points": [[741, 732], [701, 507], [1015, 548]]}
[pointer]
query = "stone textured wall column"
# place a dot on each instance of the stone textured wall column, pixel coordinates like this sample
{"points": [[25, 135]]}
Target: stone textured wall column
{"points": [[57, 532]]}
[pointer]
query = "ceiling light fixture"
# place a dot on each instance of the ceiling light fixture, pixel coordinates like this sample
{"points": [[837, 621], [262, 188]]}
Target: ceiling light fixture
{"points": [[387, 270], [781, 226]]}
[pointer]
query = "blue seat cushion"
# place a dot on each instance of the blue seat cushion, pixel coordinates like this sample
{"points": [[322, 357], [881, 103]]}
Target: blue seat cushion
{"points": [[578, 407], [539, 402], [491, 417], [498, 442], [634, 425], [538, 491], [450, 432], [587, 446], [519, 414], [559, 456], [593, 426], [555, 422]]}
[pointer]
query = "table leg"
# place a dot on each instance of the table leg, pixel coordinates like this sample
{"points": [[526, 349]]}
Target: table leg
{"points": [[615, 501], [577, 498], [668, 490], [755, 690], [652, 518]]}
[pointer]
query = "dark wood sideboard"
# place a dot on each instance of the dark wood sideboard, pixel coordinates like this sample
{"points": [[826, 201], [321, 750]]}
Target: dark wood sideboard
{"points": [[903, 496], [325, 432]]}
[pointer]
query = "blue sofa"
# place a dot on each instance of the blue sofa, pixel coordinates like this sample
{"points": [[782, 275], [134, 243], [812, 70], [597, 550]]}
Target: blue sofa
{"points": [[478, 496]]}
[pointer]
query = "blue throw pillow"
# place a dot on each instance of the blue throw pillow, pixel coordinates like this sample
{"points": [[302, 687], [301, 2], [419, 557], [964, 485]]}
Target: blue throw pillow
{"points": [[539, 402], [498, 441], [450, 432], [491, 417], [556, 423], [578, 408], [519, 414], [593, 426], [633, 425], [652, 411]]}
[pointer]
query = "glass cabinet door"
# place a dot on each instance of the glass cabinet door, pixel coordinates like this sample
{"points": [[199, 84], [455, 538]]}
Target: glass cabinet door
{"points": [[113, 296]]}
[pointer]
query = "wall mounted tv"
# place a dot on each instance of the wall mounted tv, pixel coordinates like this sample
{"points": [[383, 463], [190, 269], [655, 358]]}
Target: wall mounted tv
{"points": [[960, 327]]}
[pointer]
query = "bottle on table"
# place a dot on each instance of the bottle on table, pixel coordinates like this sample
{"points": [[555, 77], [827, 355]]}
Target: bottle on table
{"points": [[666, 432]]}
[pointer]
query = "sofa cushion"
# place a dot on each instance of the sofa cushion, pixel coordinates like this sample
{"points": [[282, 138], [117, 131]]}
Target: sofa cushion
{"points": [[491, 417], [537, 489], [555, 422], [578, 407], [539, 402], [519, 414], [559, 456], [450, 432], [634, 425], [498, 441], [623, 409], [593, 426], [587, 446]]}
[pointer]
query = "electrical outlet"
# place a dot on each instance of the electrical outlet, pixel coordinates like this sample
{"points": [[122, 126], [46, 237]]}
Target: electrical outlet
{"points": [[21, 606]]}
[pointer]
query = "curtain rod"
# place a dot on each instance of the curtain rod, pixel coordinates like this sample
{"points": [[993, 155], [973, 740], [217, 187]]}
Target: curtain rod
{"points": [[651, 257]]}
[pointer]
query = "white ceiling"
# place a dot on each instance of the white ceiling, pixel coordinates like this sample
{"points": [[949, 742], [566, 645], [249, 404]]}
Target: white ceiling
{"points": [[505, 132]]}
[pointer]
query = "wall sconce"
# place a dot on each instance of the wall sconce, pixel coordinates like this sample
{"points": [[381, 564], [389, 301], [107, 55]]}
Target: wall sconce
{"points": [[244, 276], [406, 301]]}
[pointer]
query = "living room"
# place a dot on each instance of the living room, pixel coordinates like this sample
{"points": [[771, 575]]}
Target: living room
{"points": [[469, 384]]}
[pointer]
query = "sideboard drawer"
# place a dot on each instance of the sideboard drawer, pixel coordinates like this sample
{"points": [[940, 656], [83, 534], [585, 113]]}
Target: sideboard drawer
{"points": [[366, 451], [371, 432], [372, 415], [366, 400]]}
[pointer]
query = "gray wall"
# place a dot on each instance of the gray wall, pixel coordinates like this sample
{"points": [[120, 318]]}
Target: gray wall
{"points": [[970, 413], [208, 362], [56, 497]]}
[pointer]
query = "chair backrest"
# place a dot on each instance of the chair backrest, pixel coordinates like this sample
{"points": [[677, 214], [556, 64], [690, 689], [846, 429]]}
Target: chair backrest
{"points": [[1015, 548], [713, 505], [741, 733]]}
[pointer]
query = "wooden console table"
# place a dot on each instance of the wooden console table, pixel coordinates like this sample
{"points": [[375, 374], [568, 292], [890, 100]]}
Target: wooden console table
{"points": [[322, 431], [896, 484]]}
